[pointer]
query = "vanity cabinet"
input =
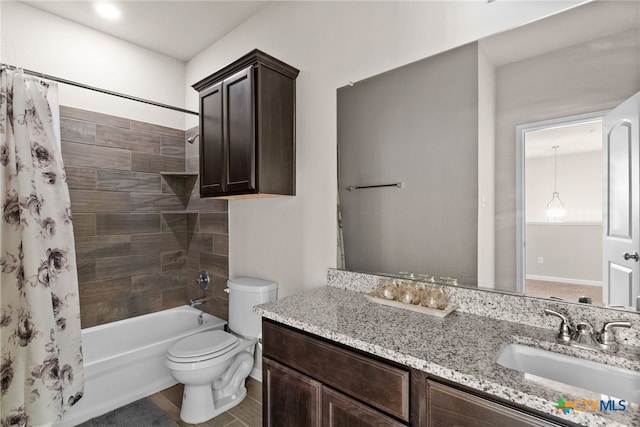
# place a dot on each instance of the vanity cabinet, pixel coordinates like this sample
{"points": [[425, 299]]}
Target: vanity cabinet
{"points": [[312, 382], [247, 129]]}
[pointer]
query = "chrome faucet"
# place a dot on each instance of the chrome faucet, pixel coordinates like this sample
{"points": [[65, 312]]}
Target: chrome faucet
{"points": [[197, 301], [582, 335]]}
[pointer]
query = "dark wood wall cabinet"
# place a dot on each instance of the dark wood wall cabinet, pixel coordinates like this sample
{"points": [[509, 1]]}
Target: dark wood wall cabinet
{"points": [[312, 382], [247, 129]]}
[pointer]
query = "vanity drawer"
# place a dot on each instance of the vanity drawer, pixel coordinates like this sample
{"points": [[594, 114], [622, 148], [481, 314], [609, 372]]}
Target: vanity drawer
{"points": [[378, 384], [448, 406]]}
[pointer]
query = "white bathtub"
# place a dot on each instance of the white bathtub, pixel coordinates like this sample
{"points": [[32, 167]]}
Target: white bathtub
{"points": [[124, 360]]}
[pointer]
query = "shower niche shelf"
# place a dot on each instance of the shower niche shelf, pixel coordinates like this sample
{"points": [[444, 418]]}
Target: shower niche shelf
{"points": [[181, 184]]}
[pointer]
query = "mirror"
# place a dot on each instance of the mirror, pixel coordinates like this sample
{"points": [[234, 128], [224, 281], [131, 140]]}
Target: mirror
{"points": [[428, 153]]}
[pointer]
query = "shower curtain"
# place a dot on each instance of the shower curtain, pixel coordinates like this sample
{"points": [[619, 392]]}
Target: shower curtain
{"points": [[41, 371]]}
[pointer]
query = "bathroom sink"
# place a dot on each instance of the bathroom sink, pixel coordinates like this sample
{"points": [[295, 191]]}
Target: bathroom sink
{"points": [[613, 381]]}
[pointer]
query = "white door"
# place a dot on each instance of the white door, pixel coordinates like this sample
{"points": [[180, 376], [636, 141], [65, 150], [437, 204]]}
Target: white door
{"points": [[621, 219]]}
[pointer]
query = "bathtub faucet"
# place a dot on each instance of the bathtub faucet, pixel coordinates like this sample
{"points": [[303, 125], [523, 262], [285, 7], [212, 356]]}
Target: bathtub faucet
{"points": [[197, 301]]}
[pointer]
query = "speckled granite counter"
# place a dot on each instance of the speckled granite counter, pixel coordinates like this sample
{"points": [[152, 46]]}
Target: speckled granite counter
{"points": [[461, 347]]}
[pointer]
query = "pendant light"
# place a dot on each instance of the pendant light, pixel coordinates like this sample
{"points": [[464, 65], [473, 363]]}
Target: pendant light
{"points": [[555, 208]]}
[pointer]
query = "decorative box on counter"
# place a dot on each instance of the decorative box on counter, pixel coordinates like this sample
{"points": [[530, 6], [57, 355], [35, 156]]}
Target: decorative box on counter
{"points": [[423, 298]]}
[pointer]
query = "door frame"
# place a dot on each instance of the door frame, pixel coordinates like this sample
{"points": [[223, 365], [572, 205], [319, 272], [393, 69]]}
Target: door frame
{"points": [[521, 130]]}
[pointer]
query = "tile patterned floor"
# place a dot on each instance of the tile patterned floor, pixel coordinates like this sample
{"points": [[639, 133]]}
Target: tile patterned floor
{"points": [[247, 414]]}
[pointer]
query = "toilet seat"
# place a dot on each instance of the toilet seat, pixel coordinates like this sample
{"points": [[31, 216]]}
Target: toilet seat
{"points": [[202, 346]]}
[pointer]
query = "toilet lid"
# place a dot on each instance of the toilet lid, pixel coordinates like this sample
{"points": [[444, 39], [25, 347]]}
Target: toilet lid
{"points": [[210, 343]]}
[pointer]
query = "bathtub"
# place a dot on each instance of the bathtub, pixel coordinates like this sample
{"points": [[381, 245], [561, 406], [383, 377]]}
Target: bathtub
{"points": [[124, 360]]}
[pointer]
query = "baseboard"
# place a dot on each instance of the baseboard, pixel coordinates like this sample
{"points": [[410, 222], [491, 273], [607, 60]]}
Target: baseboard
{"points": [[568, 280]]}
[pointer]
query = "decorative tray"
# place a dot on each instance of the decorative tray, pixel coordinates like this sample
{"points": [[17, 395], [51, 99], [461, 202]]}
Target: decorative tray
{"points": [[420, 309]]}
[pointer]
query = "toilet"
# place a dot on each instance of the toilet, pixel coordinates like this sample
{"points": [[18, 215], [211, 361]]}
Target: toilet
{"points": [[213, 365]]}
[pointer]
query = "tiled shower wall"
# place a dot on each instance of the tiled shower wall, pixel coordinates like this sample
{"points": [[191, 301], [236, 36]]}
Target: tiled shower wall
{"points": [[133, 259]]}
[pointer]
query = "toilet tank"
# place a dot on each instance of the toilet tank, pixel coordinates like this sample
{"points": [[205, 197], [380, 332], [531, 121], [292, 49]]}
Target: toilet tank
{"points": [[244, 294]]}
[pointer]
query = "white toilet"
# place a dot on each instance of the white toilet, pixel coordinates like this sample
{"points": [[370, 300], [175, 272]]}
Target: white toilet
{"points": [[213, 365]]}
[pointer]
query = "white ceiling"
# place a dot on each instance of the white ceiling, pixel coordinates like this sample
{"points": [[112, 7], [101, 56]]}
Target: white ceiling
{"points": [[179, 29], [570, 139]]}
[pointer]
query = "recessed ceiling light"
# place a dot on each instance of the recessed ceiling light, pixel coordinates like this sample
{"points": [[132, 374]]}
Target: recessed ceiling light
{"points": [[108, 10]]}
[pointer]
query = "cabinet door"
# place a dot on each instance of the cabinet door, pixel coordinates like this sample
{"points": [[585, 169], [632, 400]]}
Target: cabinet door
{"points": [[212, 153], [290, 399], [239, 131], [339, 410], [450, 407]]}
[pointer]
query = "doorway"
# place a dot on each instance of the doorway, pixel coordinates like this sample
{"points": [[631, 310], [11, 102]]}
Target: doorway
{"points": [[560, 201]]}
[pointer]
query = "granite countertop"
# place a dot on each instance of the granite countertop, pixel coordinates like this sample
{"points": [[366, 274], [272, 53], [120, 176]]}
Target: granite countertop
{"points": [[461, 347]]}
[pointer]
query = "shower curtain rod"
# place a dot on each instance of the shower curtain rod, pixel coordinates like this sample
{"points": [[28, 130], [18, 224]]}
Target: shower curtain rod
{"points": [[96, 89]]}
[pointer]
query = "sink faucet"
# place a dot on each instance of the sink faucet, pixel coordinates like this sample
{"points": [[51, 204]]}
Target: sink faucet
{"points": [[566, 330], [607, 337], [583, 335]]}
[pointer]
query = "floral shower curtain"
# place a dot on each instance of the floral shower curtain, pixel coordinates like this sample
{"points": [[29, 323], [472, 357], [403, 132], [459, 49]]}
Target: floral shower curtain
{"points": [[41, 371]]}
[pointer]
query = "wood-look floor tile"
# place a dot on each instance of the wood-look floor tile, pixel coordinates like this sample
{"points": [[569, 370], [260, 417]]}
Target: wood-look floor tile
{"points": [[254, 389], [249, 412]]}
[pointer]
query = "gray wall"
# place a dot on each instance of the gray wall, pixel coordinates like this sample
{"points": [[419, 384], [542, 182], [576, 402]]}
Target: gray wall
{"points": [[569, 81], [401, 126]]}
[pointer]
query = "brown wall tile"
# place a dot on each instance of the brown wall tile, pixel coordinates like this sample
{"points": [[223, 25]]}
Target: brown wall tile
{"points": [[127, 223], [104, 290], [115, 137], [117, 180], [83, 201], [171, 146], [86, 270], [102, 246], [158, 282], [80, 178], [157, 163], [75, 154], [215, 264], [131, 259], [77, 131], [90, 116], [162, 130], [214, 223], [157, 243], [84, 224], [174, 260], [126, 266], [149, 203], [221, 244]]}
